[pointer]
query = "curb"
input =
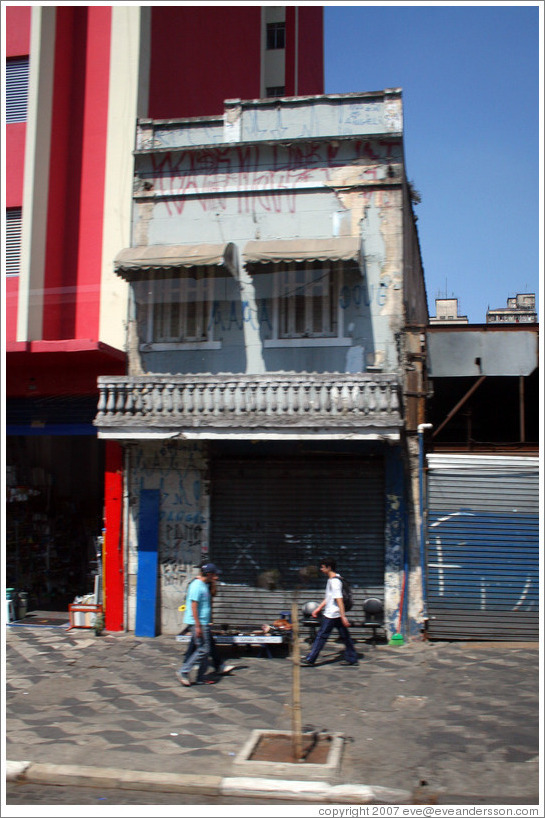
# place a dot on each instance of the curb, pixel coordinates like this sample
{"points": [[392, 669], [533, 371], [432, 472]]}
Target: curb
{"points": [[215, 785]]}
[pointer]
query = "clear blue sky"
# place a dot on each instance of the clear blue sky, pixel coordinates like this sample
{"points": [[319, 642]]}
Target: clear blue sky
{"points": [[470, 80]]}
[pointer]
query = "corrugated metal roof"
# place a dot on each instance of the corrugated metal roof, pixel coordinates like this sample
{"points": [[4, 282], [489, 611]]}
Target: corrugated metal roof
{"points": [[482, 462]]}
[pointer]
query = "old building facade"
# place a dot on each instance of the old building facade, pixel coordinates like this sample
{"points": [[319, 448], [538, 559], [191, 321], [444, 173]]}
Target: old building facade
{"points": [[275, 347]]}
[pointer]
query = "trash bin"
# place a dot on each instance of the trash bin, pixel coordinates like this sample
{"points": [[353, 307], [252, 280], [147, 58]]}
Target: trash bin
{"points": [[10, 604], [22, 607]]}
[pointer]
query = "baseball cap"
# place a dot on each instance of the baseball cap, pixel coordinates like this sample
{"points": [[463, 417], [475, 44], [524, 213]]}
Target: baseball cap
{"points": [[209, 568]]}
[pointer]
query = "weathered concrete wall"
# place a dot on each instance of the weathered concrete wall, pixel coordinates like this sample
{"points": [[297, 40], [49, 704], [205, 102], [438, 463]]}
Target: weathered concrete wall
{"points": [[260, 192], [179, 471], [286, 118]]}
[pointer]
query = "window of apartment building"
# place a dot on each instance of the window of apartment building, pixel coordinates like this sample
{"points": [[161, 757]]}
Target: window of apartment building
{"points": [[306, 301], [305, 306], [276, 35], [13, 240], [276, 90], [176, 309], [16, 89]]}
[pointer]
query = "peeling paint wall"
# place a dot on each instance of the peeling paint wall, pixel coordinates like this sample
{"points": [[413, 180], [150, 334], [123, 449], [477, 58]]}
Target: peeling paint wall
{"points": [[261, 192], [179, 471], [394, 540]]}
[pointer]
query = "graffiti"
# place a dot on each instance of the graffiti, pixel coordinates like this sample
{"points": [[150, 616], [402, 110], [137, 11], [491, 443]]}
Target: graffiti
{"points": [[262, 179], [364, 295], [188, 534], [177, 473], [238, 313]]}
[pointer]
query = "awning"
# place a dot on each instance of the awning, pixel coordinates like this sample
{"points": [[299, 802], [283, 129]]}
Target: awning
{"points": [[344, 248], [134, 260]]}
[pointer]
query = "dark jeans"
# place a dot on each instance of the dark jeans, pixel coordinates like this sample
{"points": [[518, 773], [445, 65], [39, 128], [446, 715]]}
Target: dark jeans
{"points": [[214, 655], [200, 655], [323, 634]]}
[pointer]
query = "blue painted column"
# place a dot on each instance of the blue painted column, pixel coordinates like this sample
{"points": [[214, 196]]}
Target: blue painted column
{"points": [[146, 580], [394, 556]]}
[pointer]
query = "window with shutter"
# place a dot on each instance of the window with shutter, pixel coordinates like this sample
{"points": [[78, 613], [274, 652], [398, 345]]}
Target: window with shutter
{"points": [[16, 89], [13, 240]]}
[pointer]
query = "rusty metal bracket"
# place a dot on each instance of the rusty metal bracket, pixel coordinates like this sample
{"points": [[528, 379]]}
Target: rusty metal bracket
{"points": [[459, 405]]}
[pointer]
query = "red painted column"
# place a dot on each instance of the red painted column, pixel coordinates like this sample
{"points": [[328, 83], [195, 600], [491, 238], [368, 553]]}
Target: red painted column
{"points": [[113, 538]]}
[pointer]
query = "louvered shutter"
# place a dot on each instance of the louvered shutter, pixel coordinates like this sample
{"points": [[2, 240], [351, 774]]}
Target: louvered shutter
{"points": [[16, 89], [13, 241]]}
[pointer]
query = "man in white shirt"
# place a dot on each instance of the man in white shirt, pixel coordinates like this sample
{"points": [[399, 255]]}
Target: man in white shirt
{"points": [[334, 616]]}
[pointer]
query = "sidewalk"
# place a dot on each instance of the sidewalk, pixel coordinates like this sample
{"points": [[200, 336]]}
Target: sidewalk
{"points": [[462, 717]]}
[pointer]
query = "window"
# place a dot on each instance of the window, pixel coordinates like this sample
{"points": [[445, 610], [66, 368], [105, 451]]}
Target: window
{"points": [[13, 240], [276, 91], [306, 302], [176, 309], [276, 35], [306, 308], [16, 89]]}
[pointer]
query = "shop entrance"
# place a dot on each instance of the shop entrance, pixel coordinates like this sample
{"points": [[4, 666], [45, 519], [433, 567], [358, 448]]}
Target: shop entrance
{"points": [[54, 513]]}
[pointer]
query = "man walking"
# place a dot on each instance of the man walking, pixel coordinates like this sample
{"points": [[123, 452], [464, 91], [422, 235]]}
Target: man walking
{"points": [[198, 612], [334, 616]]}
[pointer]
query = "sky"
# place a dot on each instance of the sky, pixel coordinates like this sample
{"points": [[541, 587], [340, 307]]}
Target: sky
{"points": [[471, 99]]}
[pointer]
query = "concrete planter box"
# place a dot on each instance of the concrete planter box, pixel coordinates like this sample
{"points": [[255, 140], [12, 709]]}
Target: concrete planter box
{"points": [[245, 765]]}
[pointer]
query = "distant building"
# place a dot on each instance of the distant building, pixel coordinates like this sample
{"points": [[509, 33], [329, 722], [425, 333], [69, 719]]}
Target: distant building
{"points": [[519, 310], [446, 312]]}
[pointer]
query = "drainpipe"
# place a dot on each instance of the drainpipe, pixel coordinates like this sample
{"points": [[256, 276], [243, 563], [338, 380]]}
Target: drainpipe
{"points": [[420, 428]]}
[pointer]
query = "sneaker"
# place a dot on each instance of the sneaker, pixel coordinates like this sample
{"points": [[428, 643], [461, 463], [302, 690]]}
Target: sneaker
{"points": [[305, 663], [226, 669], [350, 664], [206, 682], [183, 679]]}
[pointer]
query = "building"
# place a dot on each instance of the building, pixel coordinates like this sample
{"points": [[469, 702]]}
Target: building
{"points": [[519, 310], [482, 467], [77, 78], [446, 312], [276, 333]]}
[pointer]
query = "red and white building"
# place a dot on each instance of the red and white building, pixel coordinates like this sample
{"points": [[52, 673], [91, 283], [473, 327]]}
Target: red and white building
{"points": [[77, 80]]}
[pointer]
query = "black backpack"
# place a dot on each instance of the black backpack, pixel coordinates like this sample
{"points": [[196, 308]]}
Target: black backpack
{"points": [[348, 599]]}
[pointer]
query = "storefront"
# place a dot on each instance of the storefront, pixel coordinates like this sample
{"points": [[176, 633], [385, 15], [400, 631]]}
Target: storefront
{"points": [[54, 502], [266, 513]]}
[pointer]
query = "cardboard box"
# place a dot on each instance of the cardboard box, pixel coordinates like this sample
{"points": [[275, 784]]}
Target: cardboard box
{"points": [[83, 615]]}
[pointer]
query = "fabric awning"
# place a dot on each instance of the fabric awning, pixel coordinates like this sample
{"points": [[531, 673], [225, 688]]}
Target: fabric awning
{"points": [[344, 248], [133, 260]]}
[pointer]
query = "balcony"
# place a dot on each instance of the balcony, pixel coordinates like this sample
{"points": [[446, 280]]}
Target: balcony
{"points": [[273, 405]]}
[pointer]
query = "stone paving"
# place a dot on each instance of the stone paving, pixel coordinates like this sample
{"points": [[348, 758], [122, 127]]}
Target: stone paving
{"points": [[462, 717]]}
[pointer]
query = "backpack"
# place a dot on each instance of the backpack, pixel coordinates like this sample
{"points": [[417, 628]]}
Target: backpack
{"points": [[348, 599]]}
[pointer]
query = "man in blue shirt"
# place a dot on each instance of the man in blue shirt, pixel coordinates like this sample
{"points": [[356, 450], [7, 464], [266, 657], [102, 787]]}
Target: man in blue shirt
{"points": [[198, 611]]}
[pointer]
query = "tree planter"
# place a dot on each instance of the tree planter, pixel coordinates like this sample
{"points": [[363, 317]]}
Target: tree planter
{"points": [[270, 752]]}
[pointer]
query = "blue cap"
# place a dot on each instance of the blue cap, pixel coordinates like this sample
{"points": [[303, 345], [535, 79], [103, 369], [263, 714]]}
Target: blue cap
{"points": [[209, 568]]}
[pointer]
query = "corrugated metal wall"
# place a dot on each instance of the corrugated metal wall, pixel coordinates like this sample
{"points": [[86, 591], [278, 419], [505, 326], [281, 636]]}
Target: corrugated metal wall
{"points": [[280, 515], [483, 547]]}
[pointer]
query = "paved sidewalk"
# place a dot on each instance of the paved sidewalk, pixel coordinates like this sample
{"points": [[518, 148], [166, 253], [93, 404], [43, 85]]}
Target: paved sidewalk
{"points": [[463, 717]]}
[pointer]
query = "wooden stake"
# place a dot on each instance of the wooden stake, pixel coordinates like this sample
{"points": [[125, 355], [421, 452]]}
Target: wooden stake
{"points": [[296, 723]]}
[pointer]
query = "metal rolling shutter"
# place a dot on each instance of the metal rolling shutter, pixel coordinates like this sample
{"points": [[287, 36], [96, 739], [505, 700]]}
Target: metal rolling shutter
{"points": [[483, 547], [283, 514]]}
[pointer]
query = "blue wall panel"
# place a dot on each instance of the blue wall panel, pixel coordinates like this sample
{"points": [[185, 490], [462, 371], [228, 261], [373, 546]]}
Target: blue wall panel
{"points": [[146, 584]]}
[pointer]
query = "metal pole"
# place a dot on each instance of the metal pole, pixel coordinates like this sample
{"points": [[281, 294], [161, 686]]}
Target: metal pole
{"points": [[420, 429], [521, 409]]}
